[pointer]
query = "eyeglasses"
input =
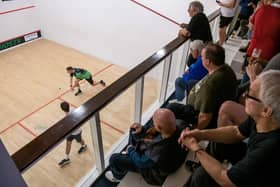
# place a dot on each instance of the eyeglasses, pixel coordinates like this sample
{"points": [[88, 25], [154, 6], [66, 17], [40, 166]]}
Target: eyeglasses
{"points": [[246, 94]]}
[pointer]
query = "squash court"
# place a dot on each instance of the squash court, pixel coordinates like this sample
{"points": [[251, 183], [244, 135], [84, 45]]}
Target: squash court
{"points": [[33, 83]]}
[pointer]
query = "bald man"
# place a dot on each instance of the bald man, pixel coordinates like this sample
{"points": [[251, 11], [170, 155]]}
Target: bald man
{"points": [[155, 154]]}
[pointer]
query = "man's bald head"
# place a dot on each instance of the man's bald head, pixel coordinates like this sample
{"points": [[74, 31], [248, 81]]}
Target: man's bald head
{"points": [[164, 121]]}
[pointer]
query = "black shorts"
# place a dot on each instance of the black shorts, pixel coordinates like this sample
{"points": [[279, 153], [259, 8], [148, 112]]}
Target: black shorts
{"points": [[90, 80], [77, 137], [225, 21]]}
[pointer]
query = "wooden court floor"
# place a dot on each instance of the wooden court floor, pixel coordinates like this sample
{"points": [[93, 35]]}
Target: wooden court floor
{"points": [[33, 82]]}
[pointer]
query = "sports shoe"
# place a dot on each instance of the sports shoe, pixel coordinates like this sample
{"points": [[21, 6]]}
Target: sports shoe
{"points": [[102, 82], [64, 162], [78, 92], [82, 149], [109, 175]]}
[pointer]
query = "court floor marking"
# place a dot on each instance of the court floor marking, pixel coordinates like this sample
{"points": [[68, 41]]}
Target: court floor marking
{"points": [[102, 121], [38, 109], [27, 129], [157, 13], [18, 9]]}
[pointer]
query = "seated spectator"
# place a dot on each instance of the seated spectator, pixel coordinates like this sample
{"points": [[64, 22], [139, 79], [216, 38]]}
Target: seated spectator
{"points": [[234, 113], [259, 168], [198, 27], [209, 93], [194, 74], [154, 152]]}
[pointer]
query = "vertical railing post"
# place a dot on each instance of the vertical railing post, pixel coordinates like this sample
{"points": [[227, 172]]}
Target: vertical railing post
{"points": [[96, 136], [165, 78], [185, 55], [215, 29], [139, 89]]}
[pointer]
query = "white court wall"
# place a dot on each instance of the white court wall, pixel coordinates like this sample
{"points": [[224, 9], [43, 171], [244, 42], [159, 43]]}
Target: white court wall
{"points": [[119, 32], [19, 22]]}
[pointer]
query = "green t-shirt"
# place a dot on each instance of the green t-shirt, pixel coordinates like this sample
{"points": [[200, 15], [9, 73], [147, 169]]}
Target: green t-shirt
{"points": [[81, 74], [210, 92]]}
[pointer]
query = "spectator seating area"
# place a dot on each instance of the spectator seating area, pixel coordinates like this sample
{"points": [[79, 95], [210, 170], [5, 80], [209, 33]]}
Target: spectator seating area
{"points": [[235, 59]]}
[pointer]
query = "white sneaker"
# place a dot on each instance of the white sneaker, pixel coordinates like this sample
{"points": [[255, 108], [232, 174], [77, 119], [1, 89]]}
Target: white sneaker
{"points": [[109, 175]]}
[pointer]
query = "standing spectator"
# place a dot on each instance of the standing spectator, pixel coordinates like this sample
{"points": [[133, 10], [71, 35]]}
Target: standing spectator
{"points": [[266, 30], [80, 74], [228, 9], [194, 74], [243, 18], [259, 167], [198, 27], [265, 39]]}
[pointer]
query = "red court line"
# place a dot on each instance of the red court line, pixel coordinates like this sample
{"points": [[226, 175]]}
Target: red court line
{"points": [[116, 129], [105, 123], [38, 109], [19, 36], [15, 10], [27, 129], [7, 128], [159, 14], [103, 69]]}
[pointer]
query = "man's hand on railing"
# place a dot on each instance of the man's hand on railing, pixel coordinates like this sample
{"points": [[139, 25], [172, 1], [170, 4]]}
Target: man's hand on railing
{"points": [[183, 32], [184, 25]]}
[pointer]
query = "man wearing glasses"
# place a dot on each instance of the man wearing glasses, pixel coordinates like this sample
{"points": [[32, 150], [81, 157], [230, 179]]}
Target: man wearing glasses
{"points": [[261, 163]]}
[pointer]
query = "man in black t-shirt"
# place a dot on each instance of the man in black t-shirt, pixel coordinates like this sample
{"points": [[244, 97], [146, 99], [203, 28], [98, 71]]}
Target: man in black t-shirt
{"points": [[260, 166], [198, 27]]}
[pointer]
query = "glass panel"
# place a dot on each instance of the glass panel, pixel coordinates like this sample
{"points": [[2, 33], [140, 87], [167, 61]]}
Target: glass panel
{"points": [[176, 65], [152, 85], [214, 28], [47, 172], [116, 118]]}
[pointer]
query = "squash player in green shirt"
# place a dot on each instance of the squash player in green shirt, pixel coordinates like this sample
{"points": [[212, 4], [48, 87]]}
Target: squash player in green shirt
{"points": [[80, 74]]}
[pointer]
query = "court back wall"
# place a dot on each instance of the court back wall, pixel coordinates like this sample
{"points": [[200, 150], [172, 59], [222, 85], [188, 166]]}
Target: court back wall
{"points": [[17, 18]]}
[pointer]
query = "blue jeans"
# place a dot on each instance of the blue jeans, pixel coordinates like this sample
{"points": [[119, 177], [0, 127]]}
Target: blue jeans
{"points": [[181, 87], [120, 164]]}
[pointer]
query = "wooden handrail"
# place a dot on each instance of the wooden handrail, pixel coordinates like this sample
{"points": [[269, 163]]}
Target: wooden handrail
{"points": [[41, 145]]}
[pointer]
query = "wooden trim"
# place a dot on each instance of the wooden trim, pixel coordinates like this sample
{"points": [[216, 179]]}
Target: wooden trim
{"points": [[37, 148]]}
